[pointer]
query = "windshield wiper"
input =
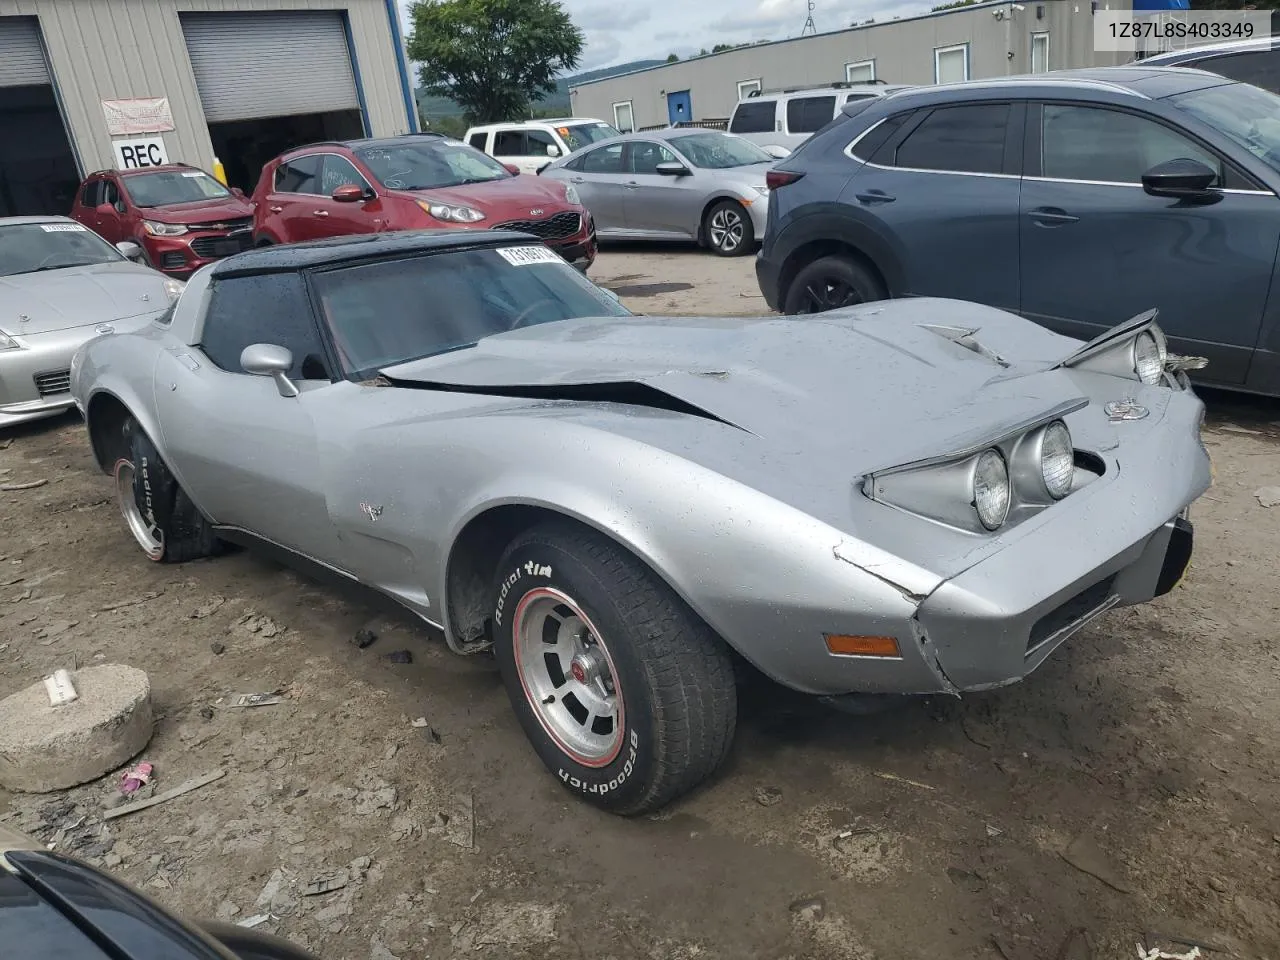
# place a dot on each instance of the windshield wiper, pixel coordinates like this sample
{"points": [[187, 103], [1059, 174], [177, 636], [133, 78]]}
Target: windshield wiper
{"points": [[55, 266]]}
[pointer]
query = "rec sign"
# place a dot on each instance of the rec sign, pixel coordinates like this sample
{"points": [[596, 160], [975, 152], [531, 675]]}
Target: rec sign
{"points": [[140, 154]]}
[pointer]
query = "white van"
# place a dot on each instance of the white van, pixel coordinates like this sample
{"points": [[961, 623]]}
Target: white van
{"points": [[532, 144], [787, 118]]}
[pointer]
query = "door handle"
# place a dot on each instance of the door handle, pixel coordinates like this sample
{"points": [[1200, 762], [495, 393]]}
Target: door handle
{"points": [[632, 185], [874, 196], [276, 209], [319, 213], [1048, 216], [577, 179]]}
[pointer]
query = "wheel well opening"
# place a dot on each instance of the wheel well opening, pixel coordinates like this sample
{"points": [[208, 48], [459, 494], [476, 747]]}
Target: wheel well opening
{"points": [[702, 218], [106, 417], [473, 565], [802, 256]]}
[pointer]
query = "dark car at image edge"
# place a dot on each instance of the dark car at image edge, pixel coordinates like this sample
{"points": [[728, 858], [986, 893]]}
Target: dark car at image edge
{"points": [[1069, 198]]}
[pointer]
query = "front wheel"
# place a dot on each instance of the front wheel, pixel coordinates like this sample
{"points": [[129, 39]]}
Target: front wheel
{"points": [[161, 517], [627, 697], [727, 229], [830, 283]]}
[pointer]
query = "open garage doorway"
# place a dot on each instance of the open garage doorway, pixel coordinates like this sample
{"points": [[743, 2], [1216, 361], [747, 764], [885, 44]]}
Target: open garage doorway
{"points": [[270, 81], [244, 146], [38, 173]]}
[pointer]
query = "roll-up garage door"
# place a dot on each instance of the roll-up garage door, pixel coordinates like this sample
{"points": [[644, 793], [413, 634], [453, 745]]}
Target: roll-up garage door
{"points": [[251, 65], [21, 54]]}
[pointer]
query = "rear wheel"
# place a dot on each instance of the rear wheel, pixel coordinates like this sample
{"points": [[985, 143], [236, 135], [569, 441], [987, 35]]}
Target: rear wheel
{"points": [[163, 520], [830, 283], [727, 229], [625, 694]]}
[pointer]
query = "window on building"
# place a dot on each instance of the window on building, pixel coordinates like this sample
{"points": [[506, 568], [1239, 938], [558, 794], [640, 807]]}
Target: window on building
{"points": [[962, 139], [748, 87], [753, 116], [300, 175], [864, 71], [809, 114], [603, 160], [479, 141], [624, 117], [509, 143], [1039, 53], [951, 64], [1091, 143]]}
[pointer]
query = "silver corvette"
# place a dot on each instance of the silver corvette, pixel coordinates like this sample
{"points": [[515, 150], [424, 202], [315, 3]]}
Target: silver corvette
{"points": [[60, 285], [913, 497]]}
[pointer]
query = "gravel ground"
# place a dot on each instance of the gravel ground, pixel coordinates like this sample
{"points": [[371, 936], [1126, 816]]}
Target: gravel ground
{"points": [[1127, 790]]}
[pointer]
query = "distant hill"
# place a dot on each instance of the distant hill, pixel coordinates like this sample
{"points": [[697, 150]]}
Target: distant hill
{"points": [[436, 108]]}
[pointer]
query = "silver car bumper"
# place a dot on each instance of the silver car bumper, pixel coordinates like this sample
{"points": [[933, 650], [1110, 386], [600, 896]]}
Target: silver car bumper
{"points": [[35, 379]]}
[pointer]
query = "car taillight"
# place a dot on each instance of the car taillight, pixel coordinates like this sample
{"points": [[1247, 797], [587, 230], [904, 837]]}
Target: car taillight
{"points": [[780, 178]]}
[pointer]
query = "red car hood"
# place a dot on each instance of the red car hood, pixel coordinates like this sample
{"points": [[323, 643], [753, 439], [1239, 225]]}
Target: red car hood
{"points": [[200, 211], [514, 198]]}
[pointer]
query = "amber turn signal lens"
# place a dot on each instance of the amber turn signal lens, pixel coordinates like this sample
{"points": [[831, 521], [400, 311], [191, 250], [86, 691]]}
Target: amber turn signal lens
{"points": [[851, 646]]}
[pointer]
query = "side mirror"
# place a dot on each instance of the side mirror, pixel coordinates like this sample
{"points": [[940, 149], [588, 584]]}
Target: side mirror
{"points": [[553, 150], [672, 169], [130, 250], [512, 169], [1181, 179], [106, 208], [348, 193], [777, 151], [269, 360]]}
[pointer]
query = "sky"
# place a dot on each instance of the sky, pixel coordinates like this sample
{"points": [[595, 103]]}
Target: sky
{"points": [[618, 32]]}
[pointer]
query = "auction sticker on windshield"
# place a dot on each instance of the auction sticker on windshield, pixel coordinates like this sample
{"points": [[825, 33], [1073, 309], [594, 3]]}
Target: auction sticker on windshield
{"points": [[63, 228], [524, 256]]}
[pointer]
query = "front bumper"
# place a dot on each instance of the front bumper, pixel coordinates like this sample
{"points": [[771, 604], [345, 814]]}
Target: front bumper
{"points": [[181, 256], [35, 380]]}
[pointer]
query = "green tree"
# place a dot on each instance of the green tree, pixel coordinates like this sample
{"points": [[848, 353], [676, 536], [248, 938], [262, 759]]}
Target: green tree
{"points": [[672, 58], [953, 5], [492, 57]]}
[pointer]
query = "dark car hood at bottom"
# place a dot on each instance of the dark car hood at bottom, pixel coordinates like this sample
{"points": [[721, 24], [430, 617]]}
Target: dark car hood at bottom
{"points": [[859, 390]]}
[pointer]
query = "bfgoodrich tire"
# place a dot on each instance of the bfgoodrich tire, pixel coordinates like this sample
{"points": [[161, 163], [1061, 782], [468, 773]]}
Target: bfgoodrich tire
{"points": [[157, 511], [625, 694], [830, 283]]}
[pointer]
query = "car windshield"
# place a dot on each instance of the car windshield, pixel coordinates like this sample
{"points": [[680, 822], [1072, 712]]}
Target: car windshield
{"points": [[173, 186], [1247, 114], [426, 165], [717, 151], [581, 134], [31, 247], [383, 314]]}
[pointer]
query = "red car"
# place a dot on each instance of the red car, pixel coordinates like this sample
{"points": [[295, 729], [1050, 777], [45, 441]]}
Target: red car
{"points": [[180, 216], [413, 182]]}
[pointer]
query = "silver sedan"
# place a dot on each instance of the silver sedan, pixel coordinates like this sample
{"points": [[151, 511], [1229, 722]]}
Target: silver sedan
{"points": [[60, 285], [681, 183]]}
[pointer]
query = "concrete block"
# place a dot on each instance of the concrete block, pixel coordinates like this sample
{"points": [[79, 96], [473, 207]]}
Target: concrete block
{"points": [[45, 748]]}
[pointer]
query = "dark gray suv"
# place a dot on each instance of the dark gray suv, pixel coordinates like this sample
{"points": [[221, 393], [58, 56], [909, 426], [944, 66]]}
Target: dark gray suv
{"points": [[1077, 199]]}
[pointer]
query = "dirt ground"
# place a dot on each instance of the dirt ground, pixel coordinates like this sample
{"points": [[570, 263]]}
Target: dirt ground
{"points": [[1129, 788]]}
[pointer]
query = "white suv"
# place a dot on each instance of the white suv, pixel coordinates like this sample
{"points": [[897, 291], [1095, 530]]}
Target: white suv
{"points": [[532, 144], [787, 118]]}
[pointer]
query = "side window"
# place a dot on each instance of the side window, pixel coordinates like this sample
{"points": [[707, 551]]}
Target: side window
{"points": [[337, 172], [300, 175], [111, 193], [577, 163], [963, 139], [1091, 143], [1260, 68], [809, 114], [754, 116], [538, 141], [234, 321], [91, 195], [870, 146], [509, 143], [604, 160], [479, 141], [646, 155]]}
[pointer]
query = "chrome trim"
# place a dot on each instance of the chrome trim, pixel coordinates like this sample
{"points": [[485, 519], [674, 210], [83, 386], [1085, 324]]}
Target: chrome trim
{"points": [[848, 151], [950, 173], [1118, 183], [1047, 79]]}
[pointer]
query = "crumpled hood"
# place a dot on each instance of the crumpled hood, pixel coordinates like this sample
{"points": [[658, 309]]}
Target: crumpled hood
{"points": [[200, 211], [78, 297], [858, 389]]}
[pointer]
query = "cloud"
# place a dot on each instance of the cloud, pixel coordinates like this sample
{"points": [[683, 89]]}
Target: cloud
{"points": [[617, 17], [600, 50]]}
